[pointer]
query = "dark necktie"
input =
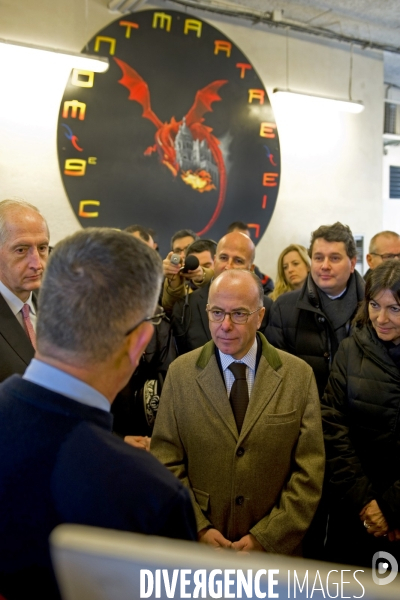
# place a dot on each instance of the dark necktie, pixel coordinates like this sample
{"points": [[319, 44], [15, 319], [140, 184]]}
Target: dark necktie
{"points": [[239, 397]]}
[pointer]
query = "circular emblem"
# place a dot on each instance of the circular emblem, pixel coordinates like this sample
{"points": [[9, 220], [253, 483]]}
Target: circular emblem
{"points": [[178, 133]]}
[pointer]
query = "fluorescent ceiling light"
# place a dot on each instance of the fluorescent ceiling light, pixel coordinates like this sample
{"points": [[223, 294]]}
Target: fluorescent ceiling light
{"points": [[87, 62], [310, 99]]}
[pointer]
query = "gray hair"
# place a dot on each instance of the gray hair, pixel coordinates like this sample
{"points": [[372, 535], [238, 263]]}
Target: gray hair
{"points": [[238, 274], [98, 283], [387, 234], [13, 204]]}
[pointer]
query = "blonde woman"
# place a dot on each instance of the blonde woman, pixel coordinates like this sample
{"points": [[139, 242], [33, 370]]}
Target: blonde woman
{"points": [[293, 268]]}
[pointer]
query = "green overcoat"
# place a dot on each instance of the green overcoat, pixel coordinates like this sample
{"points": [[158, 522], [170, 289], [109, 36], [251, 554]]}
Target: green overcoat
{"points": [[267, 480]]}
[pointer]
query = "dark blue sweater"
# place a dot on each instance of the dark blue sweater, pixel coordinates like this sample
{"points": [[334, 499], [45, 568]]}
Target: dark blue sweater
{"points": [[60, 463]]}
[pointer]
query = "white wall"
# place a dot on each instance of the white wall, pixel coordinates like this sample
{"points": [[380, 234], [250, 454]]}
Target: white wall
{"points": [[331, 165]]}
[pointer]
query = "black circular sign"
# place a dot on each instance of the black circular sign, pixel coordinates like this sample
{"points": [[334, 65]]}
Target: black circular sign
{"points": [[178, 133]]}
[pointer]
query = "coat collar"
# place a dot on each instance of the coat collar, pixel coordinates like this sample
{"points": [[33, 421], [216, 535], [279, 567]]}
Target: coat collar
{"points": [[366, 338], [53, 402], [309, 299]]}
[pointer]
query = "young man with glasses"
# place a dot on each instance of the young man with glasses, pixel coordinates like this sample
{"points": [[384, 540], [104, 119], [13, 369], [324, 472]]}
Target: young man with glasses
{"points": [[175, 279], [179, 283], [239, 424]]}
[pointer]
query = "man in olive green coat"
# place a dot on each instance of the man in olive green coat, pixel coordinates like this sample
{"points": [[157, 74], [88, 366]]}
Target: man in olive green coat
{"points": [[255, 485]]}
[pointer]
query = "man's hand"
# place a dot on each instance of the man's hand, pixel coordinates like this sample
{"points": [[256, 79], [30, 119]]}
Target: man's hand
{"points": [[247, 544], [394, 535], [138, 441], [175, 276], [196, 275], [214, 538], [170, 270], [372, 516]]}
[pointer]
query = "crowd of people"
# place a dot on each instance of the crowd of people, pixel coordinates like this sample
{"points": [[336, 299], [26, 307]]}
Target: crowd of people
{"points": [[190, 398]]}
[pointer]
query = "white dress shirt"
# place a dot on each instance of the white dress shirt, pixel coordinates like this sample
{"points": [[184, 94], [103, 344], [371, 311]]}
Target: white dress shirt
{"points": [[249, 360], [16, 305]]}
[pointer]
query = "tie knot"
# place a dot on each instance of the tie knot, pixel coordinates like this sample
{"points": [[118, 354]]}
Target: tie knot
{"points": [[25, 310], [238, 370]]}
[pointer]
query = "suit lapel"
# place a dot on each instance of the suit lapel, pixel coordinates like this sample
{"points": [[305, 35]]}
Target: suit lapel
{"points": [[13, 333], [266, 383], [213, 386]]}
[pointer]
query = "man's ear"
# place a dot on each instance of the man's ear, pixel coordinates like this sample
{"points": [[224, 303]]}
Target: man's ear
{"points": [[138, 341], [353, 262], [261, 316], [369, 260], [252, 267]]}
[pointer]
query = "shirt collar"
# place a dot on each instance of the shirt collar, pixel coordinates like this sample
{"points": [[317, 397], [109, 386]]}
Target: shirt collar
{"points": [[248, 359], [13, 301], [338, 296], [62, 383]]}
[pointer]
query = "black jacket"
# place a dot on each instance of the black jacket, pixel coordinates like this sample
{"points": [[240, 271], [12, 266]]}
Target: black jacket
{"points": [[298, 325], [190, 320], [135, 407], [266, 281], [361, 418], [16, 350]]}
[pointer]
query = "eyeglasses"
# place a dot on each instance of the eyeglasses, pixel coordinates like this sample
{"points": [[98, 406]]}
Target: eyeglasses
{"points": [[216, 315], [386, 256], [154, 320]]}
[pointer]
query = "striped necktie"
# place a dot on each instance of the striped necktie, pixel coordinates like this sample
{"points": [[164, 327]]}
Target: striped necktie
{"points": [[28, 324]]}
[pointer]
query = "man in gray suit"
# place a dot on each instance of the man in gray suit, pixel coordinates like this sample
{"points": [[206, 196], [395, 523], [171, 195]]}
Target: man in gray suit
{"points": [[248, 446], [24, 249]]}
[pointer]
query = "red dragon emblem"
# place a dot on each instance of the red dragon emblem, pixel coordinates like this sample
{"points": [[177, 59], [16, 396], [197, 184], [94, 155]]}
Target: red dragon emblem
{"points": [[168, 135]]}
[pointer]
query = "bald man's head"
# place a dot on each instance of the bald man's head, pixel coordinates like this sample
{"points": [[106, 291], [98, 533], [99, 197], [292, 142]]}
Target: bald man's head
{"points": [[234, 251], [235, 311]]}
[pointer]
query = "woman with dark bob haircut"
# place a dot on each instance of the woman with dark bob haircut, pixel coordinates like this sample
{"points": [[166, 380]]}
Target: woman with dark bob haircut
{"points": [[361, 418]]}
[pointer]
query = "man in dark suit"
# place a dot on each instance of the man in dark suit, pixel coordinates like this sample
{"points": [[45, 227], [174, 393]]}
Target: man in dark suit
{"points": [[59, 461], [24, 249], [189, 317]]}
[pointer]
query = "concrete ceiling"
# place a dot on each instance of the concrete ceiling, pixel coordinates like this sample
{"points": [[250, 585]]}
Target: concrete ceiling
{"points": [[370, 23], [367, 23]]}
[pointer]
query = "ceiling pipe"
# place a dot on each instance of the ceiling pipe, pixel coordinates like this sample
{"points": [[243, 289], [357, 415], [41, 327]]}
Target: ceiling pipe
{"points": [[270, 19]]}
